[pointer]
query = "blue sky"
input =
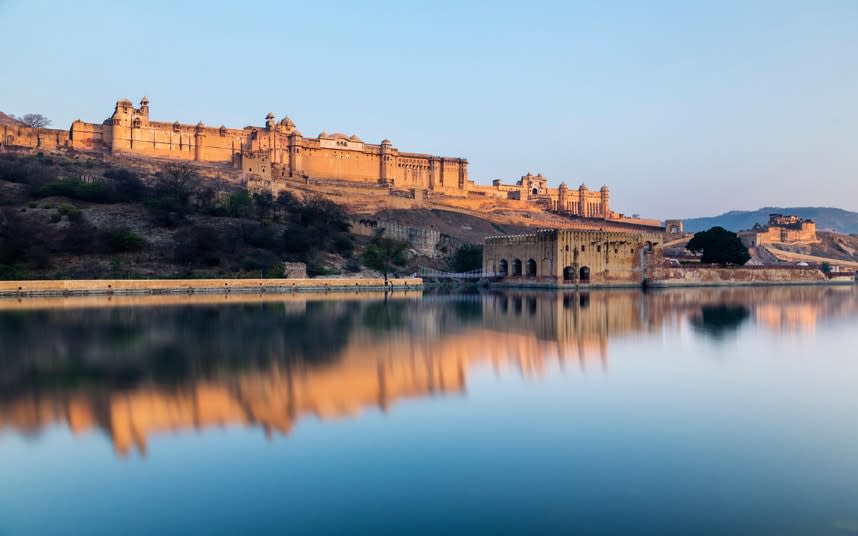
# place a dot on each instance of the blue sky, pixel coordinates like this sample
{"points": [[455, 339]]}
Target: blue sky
{"points": [[682, 108]]}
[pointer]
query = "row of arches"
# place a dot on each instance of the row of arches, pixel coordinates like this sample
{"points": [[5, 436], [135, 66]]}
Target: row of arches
{"points": [[529, 268], [583, 274]]}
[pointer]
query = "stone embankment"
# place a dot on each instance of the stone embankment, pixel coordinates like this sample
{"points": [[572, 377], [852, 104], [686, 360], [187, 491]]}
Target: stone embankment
{"points": [[714, 276], [84, 287]]}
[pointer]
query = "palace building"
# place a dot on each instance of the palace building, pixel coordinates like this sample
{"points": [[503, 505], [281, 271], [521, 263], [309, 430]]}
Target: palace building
{"points": [[278, 151], [780, 228], [564, 256]]}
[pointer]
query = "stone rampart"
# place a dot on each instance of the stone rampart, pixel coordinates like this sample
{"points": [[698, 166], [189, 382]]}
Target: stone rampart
{"points": [[716, 276], [84, 287], [425, 241]]}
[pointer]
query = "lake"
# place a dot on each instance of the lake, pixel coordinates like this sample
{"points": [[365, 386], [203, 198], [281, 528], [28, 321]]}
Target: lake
{"points": [[703, 411]]}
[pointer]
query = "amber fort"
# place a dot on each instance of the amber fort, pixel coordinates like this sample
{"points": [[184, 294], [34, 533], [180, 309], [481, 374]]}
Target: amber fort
{"points": [[277, 152]]}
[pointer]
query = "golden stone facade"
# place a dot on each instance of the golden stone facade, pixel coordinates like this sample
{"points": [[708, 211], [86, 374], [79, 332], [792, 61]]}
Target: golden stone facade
{"points": [[278, 151], [562, 256], [780, 228]]}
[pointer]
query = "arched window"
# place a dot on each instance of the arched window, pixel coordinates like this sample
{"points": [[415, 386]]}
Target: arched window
{"points": [[568, 274], [516, 268], [503, 268], [585, 274], [531, 268]]}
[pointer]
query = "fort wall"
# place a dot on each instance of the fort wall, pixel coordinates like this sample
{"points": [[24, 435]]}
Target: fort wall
{"points": [[780, 228], [82, 287], [277, 152], [715, 276]]}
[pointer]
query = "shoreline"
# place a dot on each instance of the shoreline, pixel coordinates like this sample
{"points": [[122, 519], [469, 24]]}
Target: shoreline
{"points": [[674, 284], [108, 287]]}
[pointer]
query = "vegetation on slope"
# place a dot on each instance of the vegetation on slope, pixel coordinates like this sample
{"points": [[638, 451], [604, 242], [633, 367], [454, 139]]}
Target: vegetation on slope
{"points": [[77, 218]]}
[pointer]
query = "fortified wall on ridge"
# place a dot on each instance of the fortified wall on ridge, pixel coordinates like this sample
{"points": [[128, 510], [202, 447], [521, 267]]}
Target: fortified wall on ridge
{"points": [[278, 151]]}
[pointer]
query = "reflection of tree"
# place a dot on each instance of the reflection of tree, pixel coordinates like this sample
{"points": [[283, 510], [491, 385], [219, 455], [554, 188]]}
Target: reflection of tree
{"points": [[468, 311], [384, 316], [720, 320], [121, 347]]}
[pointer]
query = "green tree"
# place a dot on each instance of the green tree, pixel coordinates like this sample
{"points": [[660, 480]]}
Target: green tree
{"points": [[719, 246], [239, 204], [264, 204], [169, 201], [383, 254], [122, 239], [468, 257]]}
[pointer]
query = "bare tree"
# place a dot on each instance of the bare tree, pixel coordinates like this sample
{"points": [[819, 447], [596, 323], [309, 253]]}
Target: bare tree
{"points": [[34, 120]]}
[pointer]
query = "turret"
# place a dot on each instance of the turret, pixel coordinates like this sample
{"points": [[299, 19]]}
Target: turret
{"points": [[387, 165], [269, 121], [583, 205], [562, 198], [199, 142], [144, 108], [120, 126]]}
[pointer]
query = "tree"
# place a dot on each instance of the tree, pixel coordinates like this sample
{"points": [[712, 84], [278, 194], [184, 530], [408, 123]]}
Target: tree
{"points": [[719, 246], [468, 257], [170, 198], [383, 254], [34, 120], [264, 204], [239, 204]]}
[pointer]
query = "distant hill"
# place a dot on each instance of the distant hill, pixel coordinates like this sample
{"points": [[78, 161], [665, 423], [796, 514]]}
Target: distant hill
{"points": [[736, 220], [9, 121]]}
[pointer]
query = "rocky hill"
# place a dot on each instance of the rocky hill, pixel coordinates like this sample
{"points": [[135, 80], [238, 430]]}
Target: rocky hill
{"points": [[7, 120], [826, 218], [75, 217]]}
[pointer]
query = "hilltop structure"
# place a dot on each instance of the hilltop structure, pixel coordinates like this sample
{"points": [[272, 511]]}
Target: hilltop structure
{"points": [[781, 228], [278, 151]]}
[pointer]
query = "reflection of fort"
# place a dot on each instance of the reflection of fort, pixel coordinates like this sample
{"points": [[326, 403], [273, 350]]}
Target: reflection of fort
{"points": [[148, 371]]}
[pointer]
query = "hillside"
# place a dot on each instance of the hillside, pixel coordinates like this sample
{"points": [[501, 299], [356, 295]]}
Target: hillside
{"points": [[826, 218], [6, 120], [81, 218]]}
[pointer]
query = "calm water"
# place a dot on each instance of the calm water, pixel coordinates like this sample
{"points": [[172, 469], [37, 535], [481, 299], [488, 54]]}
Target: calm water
{"points": [[728, 411]]}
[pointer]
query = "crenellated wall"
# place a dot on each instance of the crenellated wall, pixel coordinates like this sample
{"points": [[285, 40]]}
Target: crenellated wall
{"points": [[277, 150]]}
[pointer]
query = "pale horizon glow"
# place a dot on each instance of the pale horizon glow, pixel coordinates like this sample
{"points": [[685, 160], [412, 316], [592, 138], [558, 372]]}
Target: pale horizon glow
{"points": [[683, 109]]}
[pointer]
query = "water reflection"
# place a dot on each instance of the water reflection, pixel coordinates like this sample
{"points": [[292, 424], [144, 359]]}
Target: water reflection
{"points": [[134, 367], [720, 320]]}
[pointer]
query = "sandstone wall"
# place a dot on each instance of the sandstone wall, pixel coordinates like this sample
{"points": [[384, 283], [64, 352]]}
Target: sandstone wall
{"points": [[425, 241], [32, 138], [569, 256], [701, 276], [190, 286]]}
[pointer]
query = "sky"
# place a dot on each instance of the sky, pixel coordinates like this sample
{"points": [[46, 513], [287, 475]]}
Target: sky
{"points": [[683, 108]]}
